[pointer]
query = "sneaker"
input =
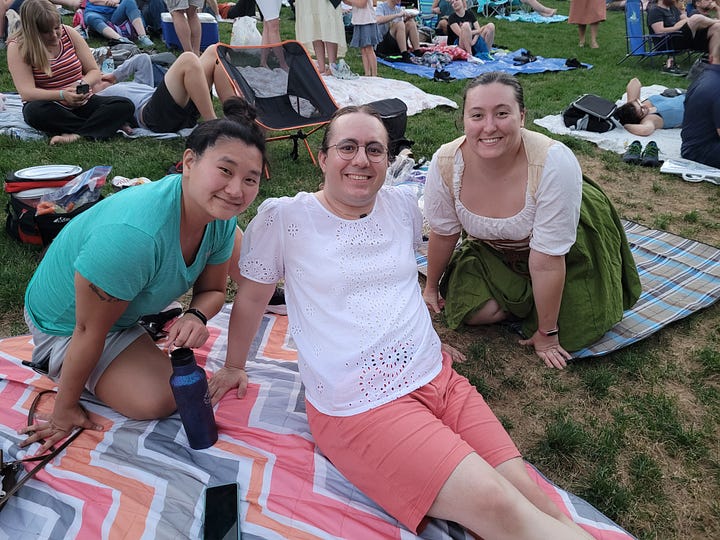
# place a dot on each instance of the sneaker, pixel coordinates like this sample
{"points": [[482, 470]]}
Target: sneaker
{"points": [[277, 302], [118, 41], [674, 71], [13, 21], [144, 42], [633, 154], [650, 155], [342, 71], [442, 75], [406, 57]]}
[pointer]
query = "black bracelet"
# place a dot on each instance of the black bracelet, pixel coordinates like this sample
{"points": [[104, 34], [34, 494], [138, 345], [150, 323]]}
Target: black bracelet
{"points": [[199, 314]]}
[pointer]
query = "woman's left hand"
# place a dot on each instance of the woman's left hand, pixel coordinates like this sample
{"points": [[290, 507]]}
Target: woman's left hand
{"points": [[187, 331], [73, 99], [455, 355], [548, 348]]}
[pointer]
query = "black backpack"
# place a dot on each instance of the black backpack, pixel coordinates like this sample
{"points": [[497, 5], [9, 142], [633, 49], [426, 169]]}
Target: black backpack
{"points": [[590, 113], [393, 113]]}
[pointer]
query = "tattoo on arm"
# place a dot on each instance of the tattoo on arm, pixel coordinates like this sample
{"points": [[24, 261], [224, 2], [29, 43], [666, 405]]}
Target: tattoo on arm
{"points": [[102, 295]]}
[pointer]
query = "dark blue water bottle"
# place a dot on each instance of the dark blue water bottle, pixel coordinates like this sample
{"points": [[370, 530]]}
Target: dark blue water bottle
{"points": [[190, 388]]}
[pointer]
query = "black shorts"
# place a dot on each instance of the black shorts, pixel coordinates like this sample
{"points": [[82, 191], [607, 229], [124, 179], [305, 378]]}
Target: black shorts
{"points": [[162, 115], [686, 40], [388, 46]]}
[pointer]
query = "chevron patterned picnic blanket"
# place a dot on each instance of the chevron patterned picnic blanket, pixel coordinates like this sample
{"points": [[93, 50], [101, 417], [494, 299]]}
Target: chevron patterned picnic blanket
{"points": [[139, 479], [678, 276]]}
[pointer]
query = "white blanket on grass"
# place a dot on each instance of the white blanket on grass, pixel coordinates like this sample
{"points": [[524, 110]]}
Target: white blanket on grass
{"points": [[368, 89], [618, 139]]}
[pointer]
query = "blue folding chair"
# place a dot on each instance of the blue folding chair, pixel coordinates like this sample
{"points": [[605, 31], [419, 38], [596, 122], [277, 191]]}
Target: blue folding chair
{"points": [[427, 17], [487, 8], [641, 43]]}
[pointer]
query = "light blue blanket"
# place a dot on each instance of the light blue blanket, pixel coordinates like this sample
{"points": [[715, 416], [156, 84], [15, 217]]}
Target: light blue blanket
{"points": [[502, 61]]}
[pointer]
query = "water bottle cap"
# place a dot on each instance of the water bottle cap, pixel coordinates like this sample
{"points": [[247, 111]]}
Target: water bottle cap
{"points": [[182, 357]]}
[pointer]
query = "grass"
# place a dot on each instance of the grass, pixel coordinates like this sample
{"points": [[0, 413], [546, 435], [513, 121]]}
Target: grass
{"points": [[636, 432]]}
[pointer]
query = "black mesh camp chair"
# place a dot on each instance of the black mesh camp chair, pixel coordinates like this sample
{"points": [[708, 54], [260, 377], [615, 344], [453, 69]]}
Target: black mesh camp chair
{"points": [[283, 84]]}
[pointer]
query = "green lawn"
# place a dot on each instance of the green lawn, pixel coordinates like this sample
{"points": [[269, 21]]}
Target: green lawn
{"points": [[636, 432]]}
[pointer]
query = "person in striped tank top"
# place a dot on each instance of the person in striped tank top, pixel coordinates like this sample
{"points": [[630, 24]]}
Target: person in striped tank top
{"points": [[54, 71]]}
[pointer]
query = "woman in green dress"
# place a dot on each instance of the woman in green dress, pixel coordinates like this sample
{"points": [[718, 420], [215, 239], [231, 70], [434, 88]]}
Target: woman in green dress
{"points": [[541, 243]]}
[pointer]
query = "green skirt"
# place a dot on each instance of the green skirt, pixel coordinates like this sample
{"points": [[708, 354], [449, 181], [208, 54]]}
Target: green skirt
{"points": [[601, 278]]}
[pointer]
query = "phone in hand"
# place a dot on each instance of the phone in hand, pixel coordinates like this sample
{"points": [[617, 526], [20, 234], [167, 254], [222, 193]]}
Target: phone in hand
{"points": [[221, 513], [83, 88]]}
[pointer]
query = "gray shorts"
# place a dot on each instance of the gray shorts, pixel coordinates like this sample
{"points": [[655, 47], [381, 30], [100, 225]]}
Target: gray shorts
{"points": [[174, 5], [55, 348]]}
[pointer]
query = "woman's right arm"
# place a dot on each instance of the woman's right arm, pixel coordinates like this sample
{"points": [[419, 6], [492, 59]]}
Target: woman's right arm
{"points": [[633, 90], [23, 79], [24, 82], [445, 229], [95, 313], [440, 249]]}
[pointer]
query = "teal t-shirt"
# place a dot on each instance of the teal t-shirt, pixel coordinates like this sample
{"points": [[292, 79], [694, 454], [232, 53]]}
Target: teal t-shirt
{"points": [[129, 246]]}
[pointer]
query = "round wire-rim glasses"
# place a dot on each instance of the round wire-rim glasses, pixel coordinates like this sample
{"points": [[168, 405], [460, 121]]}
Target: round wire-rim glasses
{"points": [[348, 149]]}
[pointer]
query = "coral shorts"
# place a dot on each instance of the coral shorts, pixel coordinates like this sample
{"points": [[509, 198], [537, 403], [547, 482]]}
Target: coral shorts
{"points": [[401, 454]]}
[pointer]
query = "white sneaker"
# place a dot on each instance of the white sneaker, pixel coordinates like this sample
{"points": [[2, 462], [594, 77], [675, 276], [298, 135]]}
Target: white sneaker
{"points": [[342, 71], [13, 19]]}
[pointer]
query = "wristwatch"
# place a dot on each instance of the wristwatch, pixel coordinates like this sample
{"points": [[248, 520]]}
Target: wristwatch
{"points": [[548, 333], [199, 314]]}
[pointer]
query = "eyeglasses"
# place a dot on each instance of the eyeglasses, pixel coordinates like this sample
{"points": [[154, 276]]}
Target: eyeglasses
{"points": [[348, 149]]}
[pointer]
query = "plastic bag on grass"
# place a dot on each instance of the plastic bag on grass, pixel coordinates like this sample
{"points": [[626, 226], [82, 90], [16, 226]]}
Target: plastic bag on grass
{"points": [[81, 190], [245, 32]]}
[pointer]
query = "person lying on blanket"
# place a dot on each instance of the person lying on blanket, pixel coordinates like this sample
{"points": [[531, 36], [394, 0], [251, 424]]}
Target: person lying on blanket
{"points": [[542, 244], [53, 70], [130, 255], [383, 401], [643, 117], [465, 31], [180, 99]]}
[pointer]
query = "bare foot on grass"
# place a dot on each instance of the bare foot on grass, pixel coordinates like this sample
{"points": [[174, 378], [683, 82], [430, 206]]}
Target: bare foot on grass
{"points": [[65, 138]]}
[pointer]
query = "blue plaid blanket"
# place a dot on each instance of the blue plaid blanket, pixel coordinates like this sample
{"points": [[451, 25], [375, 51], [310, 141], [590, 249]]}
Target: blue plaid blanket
{"points": [[679, 277]]}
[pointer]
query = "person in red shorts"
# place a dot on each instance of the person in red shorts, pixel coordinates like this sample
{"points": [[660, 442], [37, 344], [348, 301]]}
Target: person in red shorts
{"points": [[383, 401]]}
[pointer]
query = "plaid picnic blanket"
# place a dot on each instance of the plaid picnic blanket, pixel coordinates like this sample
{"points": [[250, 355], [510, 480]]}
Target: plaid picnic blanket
{"points": [[678, 276], [139, 480]]}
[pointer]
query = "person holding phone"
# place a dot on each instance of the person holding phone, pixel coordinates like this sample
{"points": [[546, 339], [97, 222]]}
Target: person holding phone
{"points": [[53, 69]]}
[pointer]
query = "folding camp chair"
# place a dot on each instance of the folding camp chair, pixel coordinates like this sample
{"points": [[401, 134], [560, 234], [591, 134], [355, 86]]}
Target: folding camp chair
{"points": [[641, 43], [487, 8], [426, 16], [283, 84]]}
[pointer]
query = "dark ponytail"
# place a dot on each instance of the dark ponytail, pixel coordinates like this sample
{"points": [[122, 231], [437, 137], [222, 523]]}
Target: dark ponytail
{"points": [[238, 123]]}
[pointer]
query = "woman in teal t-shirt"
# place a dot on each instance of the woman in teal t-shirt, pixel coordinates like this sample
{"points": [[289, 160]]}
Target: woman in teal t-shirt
{"points": [[131, 255]]}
